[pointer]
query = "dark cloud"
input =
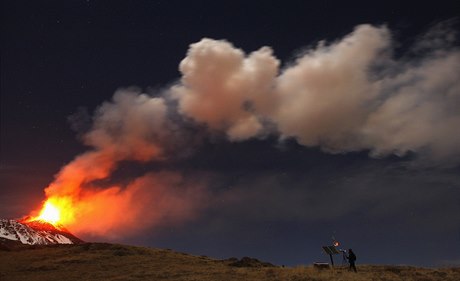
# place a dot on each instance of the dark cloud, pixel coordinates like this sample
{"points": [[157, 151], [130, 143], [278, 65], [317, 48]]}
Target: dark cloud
{"points": [[377, 206], [319, 194]]}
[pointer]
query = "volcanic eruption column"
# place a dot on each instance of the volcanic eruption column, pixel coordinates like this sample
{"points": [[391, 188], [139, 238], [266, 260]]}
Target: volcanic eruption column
{"points": [[348, 95]]}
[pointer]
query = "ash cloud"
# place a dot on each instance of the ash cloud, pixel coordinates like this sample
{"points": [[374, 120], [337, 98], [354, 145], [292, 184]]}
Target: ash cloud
{"points": [[348, 95], [373, 190], [226, 89], [131, 127]]}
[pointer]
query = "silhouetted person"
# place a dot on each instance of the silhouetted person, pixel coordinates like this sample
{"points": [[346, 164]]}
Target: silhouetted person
{"points": [[351, 259]]}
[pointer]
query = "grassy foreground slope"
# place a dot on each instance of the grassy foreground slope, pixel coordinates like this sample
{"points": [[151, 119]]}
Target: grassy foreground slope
{"points": [[100, 261]]}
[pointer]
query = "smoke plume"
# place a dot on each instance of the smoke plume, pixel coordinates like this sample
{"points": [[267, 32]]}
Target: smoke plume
{"points": [[132, 127], [345, 96], [224, 88], [349, 95]]}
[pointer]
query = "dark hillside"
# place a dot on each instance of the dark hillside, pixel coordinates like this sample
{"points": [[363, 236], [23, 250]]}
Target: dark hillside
{"points": [[102, 261]]}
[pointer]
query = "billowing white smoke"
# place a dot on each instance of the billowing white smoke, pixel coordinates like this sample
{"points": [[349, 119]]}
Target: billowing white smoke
{"points": [[325, 97], [419, 110], [225, 89], [346, 96]]}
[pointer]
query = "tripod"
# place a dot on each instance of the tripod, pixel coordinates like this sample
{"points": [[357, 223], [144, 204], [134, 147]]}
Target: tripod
{"points": [[344, 258]]}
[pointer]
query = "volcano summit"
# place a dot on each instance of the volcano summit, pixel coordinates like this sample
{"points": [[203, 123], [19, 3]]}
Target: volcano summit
{"points": [[34, 233]]}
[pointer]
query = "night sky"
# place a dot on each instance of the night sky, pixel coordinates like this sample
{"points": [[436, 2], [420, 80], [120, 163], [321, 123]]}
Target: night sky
{"points": [[278, 194]]}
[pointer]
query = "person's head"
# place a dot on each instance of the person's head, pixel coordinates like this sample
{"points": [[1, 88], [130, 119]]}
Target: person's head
{"points": [[350, 250]]}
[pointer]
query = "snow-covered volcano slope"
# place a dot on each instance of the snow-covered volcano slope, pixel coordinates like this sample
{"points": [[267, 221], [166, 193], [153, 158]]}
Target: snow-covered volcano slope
{"points": [[35, 233]]}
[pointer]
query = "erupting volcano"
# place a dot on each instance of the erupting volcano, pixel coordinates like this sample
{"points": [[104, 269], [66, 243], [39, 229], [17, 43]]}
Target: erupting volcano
{"points": [[48, 227], [50, 213], [56, 211]]}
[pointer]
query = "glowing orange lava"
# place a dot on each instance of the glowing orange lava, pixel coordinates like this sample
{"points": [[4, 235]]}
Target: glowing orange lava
{"points": [[50, 213], [57, 211]]}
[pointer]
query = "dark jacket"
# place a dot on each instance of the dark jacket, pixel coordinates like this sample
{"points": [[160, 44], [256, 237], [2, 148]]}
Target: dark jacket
{"points": [[352, 257]]}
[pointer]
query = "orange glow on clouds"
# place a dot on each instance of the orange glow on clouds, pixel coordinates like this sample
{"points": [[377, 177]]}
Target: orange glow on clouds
{"points": [[154, 199]]}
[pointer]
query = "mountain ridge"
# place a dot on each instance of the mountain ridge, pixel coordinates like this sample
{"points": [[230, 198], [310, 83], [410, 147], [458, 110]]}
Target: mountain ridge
{"points": [[34, 233]]}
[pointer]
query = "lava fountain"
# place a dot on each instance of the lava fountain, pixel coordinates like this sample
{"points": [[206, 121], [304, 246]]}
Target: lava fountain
{"points": [[56, 211]]}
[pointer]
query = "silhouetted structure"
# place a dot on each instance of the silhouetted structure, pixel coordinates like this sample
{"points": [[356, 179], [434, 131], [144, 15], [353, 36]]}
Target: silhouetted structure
{"points": [[331, 250]]}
